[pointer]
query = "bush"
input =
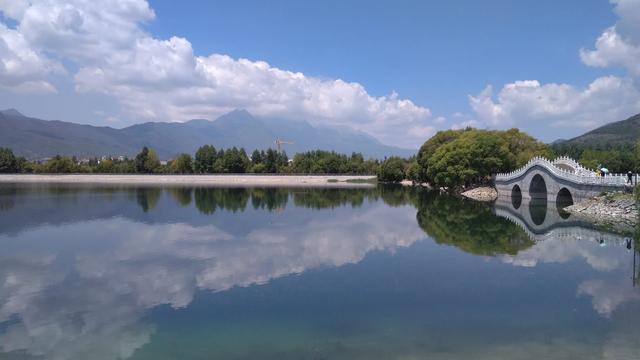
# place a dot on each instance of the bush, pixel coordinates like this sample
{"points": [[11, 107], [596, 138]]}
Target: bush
{"points": [[392, 170], [8, 161]]}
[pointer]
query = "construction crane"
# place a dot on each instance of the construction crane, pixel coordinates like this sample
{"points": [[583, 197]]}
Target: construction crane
{"points": [[280, 142]]}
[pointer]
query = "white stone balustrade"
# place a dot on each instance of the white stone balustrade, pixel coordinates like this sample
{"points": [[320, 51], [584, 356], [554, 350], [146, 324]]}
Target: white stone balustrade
{"points": [[580, 175]]}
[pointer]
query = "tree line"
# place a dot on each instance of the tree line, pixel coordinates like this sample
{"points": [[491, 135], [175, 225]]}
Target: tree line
{"points": [[616, 158], [207, 160]]}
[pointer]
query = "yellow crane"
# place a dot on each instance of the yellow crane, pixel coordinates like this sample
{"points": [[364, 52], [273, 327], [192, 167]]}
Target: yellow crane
{"points": [[280, 142]]}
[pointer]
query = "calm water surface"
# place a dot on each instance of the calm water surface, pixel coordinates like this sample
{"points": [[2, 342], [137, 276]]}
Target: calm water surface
{"points": [[385, 273]]}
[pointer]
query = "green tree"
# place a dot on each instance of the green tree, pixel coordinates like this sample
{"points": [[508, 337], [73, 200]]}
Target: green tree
{"points": [[8, 161], [105, 167], [235, 161], [469, 159], [414, 172], [392, 170], [431, 145], [183, 164], [205, 159], [271, 161], [147, 161], [60, 165], [256, 157]]}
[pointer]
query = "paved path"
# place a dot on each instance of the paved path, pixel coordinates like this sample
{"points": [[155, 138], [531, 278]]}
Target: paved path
{"points": [[197, 180]]}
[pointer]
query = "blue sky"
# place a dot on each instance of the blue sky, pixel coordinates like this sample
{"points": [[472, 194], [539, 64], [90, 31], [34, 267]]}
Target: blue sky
{"points": [[398, 70], [433, 52]]}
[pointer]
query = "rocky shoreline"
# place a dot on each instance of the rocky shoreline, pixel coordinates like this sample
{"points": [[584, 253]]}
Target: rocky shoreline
{"points": [[484, 193], [608, 209]]}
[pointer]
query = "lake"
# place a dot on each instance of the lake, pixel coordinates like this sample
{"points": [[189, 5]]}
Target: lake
{"points": [[275, 273]]}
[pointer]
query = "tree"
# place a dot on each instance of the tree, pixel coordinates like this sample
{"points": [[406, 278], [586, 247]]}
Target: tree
{"points": [[470, 159], [414, 172], [141, 160], [430, 146], [183, 164], [256, 157], [8, 161], [392, 170], [271, 161], [105, 167], [205, 159], [235, 161], [60, 165], [147, 161]]}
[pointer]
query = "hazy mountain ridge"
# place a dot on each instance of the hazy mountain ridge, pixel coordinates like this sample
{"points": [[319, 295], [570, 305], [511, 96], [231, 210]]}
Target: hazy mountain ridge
{"points": [[616, 134], [35, 138]]}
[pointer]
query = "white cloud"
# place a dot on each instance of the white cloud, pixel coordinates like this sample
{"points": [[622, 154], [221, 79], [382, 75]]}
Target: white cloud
{"points": [[520, 103], [102, 295], [613, 49], [608, 295], [164, 80], [562, 250], [619, 45], [22, 68], [529, 103]]}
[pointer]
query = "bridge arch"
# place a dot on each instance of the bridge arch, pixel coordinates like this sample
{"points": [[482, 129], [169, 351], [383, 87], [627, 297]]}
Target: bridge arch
{"points": [[538, 187], [538, 210], [564, 199], [516, 196]]}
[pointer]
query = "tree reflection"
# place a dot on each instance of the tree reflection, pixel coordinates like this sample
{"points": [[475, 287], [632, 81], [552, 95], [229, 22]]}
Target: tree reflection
{"points": [[469, 226], [148, 198], [322, 198], [269, 198], [182, 195], [231, 199], [7, 197]]}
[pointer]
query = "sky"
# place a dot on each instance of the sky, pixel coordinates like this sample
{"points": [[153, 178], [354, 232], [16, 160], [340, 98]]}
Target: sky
{"points": [[398, 70]]}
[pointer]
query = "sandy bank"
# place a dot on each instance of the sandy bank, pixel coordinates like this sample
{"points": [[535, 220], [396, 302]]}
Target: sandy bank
{"points": [[197, 180]]}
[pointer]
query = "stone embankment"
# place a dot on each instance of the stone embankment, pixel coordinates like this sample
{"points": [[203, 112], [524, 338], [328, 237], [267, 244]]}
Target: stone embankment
{"points": [[612, 208], [481, 194]]}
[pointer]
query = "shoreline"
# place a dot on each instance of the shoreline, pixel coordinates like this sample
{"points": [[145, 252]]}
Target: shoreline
{"points": [[611, 209], [242, 180]]}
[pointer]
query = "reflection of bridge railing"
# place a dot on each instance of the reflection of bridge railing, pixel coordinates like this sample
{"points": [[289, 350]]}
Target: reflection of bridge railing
{"points": [[580, 175], [568, 231]]}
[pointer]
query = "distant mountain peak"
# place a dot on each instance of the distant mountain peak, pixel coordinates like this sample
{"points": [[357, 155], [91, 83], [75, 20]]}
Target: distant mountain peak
{"points": [[35, 138], [11, 112]]}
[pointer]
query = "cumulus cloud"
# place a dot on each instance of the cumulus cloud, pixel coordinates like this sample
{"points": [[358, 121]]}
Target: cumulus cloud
{"points": [[606, 99], [102, 293], [618, 45], [608, 295], [22, 68], [164, 80], [613, 49], [562, 250]]}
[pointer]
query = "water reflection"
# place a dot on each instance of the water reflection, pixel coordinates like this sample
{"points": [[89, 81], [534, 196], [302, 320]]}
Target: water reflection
{"points": [[116, 273], [469, 226]]}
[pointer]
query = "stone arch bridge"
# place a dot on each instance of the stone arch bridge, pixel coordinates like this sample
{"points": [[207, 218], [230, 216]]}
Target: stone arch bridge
{"points": [[561, 180]]}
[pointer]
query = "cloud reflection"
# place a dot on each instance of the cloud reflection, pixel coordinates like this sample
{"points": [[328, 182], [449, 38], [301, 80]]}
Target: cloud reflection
{"points": [[89, 302]]}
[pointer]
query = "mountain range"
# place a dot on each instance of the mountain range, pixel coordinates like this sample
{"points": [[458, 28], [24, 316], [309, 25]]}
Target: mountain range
{"points": [[616, 134], [36, 138]]}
